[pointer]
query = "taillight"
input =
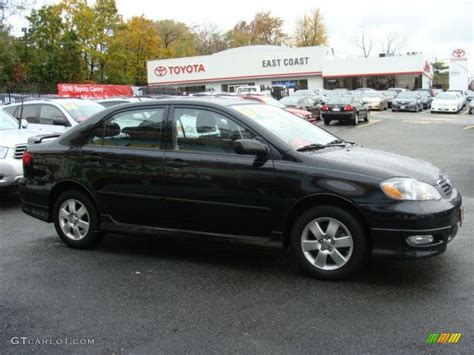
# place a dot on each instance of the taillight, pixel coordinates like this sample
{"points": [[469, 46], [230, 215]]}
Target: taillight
{"points": [[325, 108], [27, 158], [348, 108]]}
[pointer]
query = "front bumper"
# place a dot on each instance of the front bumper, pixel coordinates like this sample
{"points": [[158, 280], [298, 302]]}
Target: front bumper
{"points": [[444, 109], [11, 172], [404, 107], [391, 225]]}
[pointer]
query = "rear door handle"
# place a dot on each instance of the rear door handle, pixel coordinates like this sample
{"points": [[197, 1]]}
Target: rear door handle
{"points": [[177, 163]]}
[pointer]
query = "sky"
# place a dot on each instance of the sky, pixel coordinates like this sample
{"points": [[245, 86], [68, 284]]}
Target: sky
{"points": [[432, 27]]}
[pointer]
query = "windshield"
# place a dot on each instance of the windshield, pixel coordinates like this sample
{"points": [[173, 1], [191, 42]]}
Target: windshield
{"points": [[303, 93], [446, 97], [407, 95], [7, 122], [390, 93], [371, 94], [81, 110], [340, 100], [289, 128]]}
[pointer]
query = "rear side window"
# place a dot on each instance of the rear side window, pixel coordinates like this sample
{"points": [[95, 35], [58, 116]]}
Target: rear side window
{"points": [[131, 129], [10, 109], [29, 113]]}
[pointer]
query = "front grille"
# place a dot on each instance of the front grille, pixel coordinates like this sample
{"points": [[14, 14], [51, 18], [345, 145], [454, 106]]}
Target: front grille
{"points": [[19, 149], [445, 185]]}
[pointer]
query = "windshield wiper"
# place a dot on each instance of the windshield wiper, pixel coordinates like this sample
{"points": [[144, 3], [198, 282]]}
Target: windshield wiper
{"points": [[316, 146]]}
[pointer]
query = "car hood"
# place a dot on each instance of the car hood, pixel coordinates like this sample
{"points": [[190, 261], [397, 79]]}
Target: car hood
{"points": [[377, 164], [10, 138], [372, 99], [404, 100], [445, 102]]}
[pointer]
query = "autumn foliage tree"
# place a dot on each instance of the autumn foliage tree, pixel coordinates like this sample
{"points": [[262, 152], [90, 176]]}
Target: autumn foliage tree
{"points": [[311, 30]]}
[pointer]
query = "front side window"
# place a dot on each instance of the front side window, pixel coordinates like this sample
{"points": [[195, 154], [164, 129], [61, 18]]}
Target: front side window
{"points": [[48, 113], [202, 130], [131, 129]]}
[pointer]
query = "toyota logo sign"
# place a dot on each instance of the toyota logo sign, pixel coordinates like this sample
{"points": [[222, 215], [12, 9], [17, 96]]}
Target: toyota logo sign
{"points": [[459, 53], [161, 71]]}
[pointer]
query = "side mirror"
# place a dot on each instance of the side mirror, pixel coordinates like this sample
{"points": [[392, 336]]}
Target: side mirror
{"points": [[24, 123], [251, 147], [59, 121]]}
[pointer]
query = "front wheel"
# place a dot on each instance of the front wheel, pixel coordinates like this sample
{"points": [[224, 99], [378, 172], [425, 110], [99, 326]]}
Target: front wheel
{"points": [[76, 220], [326, 121], [329, 243], [366, 119]]}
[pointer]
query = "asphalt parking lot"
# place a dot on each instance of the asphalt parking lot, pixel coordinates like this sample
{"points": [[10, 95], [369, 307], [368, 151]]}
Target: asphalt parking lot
{"points": [[141, 295]]}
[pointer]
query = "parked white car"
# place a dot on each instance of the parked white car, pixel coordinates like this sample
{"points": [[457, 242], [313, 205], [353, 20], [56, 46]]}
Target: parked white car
{"points": [[462, 94], [447, 102], [54, 115], [13, 140]]}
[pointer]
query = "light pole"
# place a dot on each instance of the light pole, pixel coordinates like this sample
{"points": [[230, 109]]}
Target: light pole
{"points": [[25, 39]]}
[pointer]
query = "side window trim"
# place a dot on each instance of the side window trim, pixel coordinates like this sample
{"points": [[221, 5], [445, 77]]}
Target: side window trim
{"points": [[164, 134]]}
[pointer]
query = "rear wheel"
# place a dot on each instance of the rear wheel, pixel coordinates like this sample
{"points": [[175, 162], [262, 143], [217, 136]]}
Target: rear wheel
{"points": [[76, 220], [356, 119], [326, 121], [329, 243]]}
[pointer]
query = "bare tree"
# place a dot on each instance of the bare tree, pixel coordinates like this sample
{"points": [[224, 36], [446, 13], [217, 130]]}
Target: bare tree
{"points": [[364, 42], [393, 44], [210, 39]]}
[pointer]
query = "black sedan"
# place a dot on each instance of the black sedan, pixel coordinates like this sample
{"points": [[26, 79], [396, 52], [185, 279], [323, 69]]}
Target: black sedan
{"points": [[237, 170], [426, 99], [346, 109], [407, 101]]}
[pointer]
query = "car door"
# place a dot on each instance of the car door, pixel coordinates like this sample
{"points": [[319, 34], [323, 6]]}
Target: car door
{"points": [[123, 164], [208, 187]]}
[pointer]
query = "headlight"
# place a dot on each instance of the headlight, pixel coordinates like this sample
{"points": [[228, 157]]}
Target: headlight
{"points": [[409, 189], [3, 152]]}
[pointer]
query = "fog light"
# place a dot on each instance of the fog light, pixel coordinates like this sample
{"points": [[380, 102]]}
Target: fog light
{"points": [[420, 239]]}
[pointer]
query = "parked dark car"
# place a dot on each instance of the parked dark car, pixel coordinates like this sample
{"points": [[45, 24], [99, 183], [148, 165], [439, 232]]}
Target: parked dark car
{"points": [[426, 99], [407, 101], [346, 109], [242, 171], [390, 95]]}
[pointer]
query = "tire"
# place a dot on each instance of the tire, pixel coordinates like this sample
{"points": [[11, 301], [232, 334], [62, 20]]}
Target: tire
{"points": [[356, 119], [366, 119], [354, 251], [326, 121], [70, 220]]}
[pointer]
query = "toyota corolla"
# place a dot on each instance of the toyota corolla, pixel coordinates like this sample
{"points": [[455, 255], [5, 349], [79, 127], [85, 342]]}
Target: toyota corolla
{"points": [[238, 170]]}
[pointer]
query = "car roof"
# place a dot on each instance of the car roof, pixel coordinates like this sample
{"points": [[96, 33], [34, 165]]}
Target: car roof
{"points": [[58, 101]]}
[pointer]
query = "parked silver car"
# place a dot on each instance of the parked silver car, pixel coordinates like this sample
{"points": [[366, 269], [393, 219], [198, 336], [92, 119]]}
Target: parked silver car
{"points": [[54, 115], [13, 138]]}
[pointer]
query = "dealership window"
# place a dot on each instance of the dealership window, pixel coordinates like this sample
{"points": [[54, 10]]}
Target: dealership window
{"points": [[292, 84], [378, 82], [206, 131], [192, 89]]}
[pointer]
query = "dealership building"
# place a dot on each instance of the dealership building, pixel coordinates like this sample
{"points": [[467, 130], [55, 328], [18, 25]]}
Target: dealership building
{"points": [[293, 68]]}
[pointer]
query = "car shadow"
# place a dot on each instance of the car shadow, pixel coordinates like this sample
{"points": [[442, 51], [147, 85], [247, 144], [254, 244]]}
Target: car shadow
{"points": [[9, 200], [269, 261]]}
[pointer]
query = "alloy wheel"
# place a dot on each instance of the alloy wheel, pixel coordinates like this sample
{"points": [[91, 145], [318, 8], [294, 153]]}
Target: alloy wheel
{"points": [[327, 243], [74, 219]]}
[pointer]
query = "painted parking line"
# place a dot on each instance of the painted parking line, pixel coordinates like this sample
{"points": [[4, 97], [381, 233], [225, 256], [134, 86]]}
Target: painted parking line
{"points": [[370, 123], [468, 127]]}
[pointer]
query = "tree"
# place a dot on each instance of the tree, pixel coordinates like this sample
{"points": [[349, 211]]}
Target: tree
{"points": [[310, 30], [393, 44], [13, 7], [8, 56], [440, 69], [176, 38], [132, 45], [210, 40], [364, 42]]}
